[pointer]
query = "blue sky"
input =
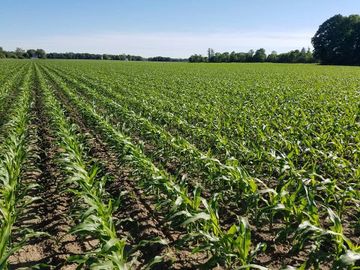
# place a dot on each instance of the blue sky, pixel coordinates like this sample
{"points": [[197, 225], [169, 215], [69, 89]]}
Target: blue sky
{"points": [[175, 28]]}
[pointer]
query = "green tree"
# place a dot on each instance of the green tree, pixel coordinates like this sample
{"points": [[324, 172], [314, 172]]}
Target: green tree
{"points": [[260, 55], [225, 57], [106, 57], [249, 56], [31, 53], [273, 57], [233, 57], [2, 53], [356, 42], [309, 56], [335, 40], [10, 55], [40, 53], [302, 56], [20, 53], [197, 58], [211, 55]]}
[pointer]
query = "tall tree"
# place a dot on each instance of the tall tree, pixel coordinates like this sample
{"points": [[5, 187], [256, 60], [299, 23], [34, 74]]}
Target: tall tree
{"points": [[356, 42], [20, 53], [31, 53], [249, 56], [211, 54], [335, 40], [260, 55], [273, 57], [40, 53]]}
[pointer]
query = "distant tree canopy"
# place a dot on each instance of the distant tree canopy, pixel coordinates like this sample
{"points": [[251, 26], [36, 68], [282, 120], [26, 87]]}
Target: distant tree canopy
{"points": [[2, 53], [166, 59], [260, 55], [337, 41], [20, 53], [40, 53], [71, 55], [295, 56]]}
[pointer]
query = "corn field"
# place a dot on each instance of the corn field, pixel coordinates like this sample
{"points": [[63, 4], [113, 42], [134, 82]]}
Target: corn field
{"points": [[118, 165]]}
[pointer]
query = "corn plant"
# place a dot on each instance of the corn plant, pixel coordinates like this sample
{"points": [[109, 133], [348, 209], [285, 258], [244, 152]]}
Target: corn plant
{"points": [[14, 197], [343, 247]]}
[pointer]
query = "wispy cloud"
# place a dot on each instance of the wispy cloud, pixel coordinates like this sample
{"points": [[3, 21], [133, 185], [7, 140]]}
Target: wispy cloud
{"points": [[167, 44]]}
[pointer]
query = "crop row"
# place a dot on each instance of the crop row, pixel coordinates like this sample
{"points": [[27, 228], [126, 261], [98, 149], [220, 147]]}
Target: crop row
{"points": [[15, 150]]}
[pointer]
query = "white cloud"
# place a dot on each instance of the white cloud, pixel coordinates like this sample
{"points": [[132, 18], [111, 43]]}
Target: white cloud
{"points": [[165, 44]]}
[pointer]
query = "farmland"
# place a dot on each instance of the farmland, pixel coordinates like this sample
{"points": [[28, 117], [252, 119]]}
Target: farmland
{"points": [[119, 165]]}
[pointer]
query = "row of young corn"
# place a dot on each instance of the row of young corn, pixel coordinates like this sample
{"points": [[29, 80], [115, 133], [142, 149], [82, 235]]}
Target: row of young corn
{"points": [[298, 202], [8, 69], [231, 246], [14, 193], [10, 86]]}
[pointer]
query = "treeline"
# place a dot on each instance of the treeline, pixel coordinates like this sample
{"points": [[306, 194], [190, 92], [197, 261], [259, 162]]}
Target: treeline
{"points": [[121, 57], [40, 53], [337, 41], [166, 59], [71, 55], [22, 54], [295, 56]]}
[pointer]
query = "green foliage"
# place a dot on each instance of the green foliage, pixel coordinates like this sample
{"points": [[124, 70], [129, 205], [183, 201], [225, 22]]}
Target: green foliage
{"points": [[225, 152], [294, 56], [14, 198], [336, 41], [282, 151], [94, 208]]}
